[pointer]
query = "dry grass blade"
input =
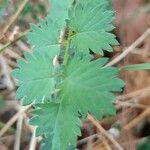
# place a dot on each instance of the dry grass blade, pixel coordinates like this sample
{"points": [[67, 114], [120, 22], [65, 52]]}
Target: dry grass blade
{"points": [[12, 42], [13, 18], [107, 146], [33, 140], [103, 132], [130, 48], [85, 140], [18, 133], [133, 94], [6, 72], [135, 121], [13, 120], [128, 104]]}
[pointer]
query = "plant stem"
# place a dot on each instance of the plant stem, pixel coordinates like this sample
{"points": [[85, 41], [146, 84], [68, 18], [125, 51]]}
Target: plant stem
{"points": [[10, 130], [66, 55], [12, 42], [14, 17]]}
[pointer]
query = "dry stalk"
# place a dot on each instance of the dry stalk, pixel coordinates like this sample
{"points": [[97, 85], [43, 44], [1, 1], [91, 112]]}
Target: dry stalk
{"points": [[130, 48], [33, 141], [105, 142], [129, 104], [5, 69], [103, 132], [13, 119], [18, 133], [12, 42], [135, 121], [85, 140], [14, 18], [133, 94]]}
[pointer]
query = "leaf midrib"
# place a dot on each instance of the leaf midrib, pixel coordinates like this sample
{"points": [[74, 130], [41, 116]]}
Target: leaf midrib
{"points": [[34, 80]]}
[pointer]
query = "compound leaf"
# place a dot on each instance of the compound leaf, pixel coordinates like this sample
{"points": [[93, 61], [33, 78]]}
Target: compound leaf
{"points": [[35, 77], [91, 23], [82, 86], [57, 122]]}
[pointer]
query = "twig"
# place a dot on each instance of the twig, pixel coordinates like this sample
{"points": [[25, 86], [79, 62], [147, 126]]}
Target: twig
{"points": [[10, 130], [102, 130], [135, 121], [106, 144], [99, 147], [130, 48], [129, 104], [13, 119], [33, 141], [124, 143], [14, 17], [12, 42], [23, 47], [83, 141], [133, 94], [18, 133], [5, 70], [11, 64], [12, 54]]}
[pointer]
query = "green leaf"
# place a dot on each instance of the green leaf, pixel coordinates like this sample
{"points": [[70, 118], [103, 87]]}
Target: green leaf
{"points": [[144, 66], [1, 12], [58, 124], [88, 86], [145, 145], [35, 77], [1, 102], [45, 143], [59, 10], [94, 2], [91, 23], [45, 37], [3, 5]]}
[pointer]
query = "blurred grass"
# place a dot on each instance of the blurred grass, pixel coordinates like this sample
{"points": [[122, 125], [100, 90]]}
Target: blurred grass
{"points": [[3, 5]]}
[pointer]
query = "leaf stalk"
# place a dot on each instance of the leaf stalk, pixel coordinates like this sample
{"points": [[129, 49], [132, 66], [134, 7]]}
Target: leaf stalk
{"points": [[66, 55]]}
